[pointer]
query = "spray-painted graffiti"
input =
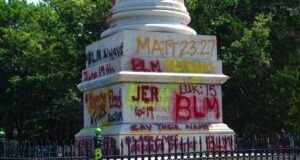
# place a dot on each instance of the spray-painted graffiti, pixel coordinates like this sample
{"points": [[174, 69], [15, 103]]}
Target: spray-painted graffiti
{"points": [[134, 44], [146, 94], [105, 103], [96, 54], [100, 71], [139, 65], [110, 146], [149, 65], [150, 143], [175, 143], [219, 143], [167, 65], [177, 103], [174, 48], [115, 116], [187, 106], [168, 127], [84, 146], [144, 112], [155, 103], [96, 104], [190, 66], [190, 104]]}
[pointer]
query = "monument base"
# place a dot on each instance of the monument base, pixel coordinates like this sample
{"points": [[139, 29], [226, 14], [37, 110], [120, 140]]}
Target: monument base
{"points": [[154, 93], [137, 139]]}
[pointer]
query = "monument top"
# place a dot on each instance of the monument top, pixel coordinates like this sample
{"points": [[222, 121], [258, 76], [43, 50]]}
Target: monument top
{"points": [[149, 15]]}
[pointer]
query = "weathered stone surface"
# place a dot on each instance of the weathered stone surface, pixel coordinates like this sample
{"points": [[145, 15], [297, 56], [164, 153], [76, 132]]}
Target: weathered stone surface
{"points": [[154, 103], [149, 15], [151, 79], [140, 44]]}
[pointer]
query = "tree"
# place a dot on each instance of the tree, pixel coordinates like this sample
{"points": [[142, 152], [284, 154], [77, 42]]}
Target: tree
{"points": [[259, 45], [42, 55]]}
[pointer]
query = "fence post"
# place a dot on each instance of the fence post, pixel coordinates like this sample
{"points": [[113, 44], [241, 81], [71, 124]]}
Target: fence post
{"points": [[162, 147], [225, 148], [188, 148], [128, 146], [213, 150], [194, 148], [207, 152], [71, 145], [200, 147], [219, 147], [155, 144], [122, 148], [169, 148], [231, 146], [175, 148], [142, 148], [135, 149], [182, 149]]}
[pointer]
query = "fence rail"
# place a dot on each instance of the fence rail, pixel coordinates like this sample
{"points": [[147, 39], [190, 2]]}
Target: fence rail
{"points": [[278, 147]]}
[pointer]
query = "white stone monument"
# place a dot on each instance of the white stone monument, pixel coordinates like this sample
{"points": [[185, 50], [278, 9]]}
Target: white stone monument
{"points": [[152, 80]]}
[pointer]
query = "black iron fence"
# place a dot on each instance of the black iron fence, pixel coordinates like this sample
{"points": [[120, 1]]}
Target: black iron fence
{"points": [[43, 150], [276, 147]]}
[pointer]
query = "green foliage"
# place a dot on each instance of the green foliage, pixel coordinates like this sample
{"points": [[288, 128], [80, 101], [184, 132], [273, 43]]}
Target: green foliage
{"points": [[259, 46], [42, 55]]}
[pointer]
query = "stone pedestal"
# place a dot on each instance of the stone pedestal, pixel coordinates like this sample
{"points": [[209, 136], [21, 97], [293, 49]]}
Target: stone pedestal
{"points": [[169, 16], [152, 88]]}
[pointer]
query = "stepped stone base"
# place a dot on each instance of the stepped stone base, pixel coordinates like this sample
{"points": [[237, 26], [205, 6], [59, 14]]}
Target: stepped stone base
{"points": [[162, 138], [153, 92]]}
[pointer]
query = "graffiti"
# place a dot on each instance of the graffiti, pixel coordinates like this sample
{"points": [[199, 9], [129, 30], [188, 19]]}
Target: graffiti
{"points": [[155, 103], [219, 143], [146, 93], [165, 143], [177, 48], [83, 146], [158, 143], [167, 65], [98, 154], [187, 106], [103, 54], [189, 88], [188, 67], [115, 117], [98, 103], [115, 100], [99, 71], [139, 65], [172, 143], [150, 143], [144, 112], [170, 102], [141, 127], [110, 146], [168, 127], [148, 65], [196, 126]]}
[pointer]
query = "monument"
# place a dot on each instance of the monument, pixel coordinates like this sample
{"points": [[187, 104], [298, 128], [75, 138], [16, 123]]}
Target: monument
{"points": [[150, 80]]}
